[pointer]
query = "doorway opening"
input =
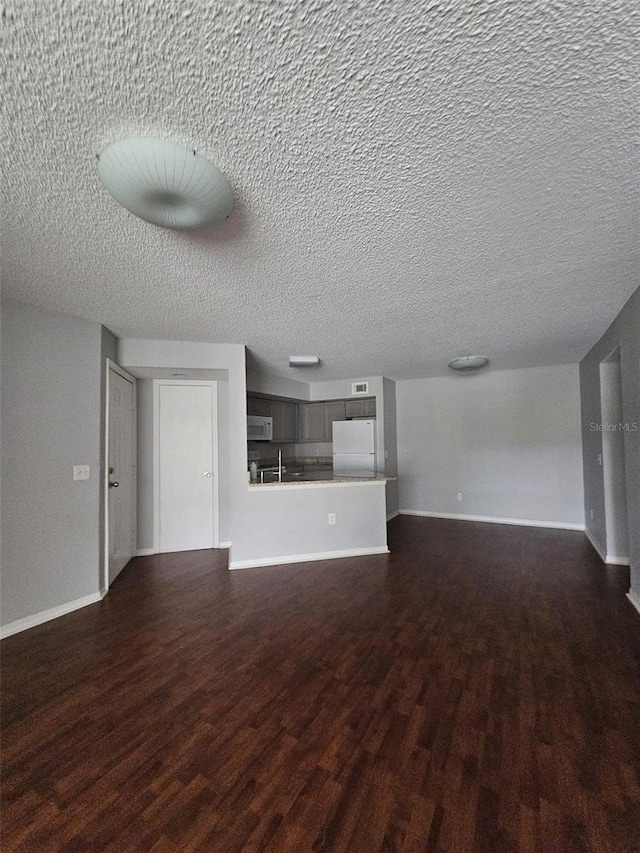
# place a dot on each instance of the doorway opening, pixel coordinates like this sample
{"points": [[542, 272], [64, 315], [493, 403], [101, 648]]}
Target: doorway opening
{"points": [[613, 461]]}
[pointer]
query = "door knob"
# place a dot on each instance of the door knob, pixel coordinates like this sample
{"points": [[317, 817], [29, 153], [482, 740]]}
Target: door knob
{"points": [[207, 473], [114, 485]]}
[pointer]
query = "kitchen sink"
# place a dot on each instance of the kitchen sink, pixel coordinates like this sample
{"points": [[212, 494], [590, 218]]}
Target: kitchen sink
{"points": [[305, 476], [296, 476]]}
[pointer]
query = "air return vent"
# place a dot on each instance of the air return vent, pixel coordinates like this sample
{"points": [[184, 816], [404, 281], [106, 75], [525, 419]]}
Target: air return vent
{"points": [[359, 388]]}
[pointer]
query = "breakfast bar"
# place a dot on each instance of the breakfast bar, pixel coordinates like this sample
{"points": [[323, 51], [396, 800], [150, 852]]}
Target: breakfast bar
{"points": [[315, 517], [319, 478]]}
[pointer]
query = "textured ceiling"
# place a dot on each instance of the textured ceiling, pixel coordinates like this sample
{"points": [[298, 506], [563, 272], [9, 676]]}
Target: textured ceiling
{"points": [[413, 180]]}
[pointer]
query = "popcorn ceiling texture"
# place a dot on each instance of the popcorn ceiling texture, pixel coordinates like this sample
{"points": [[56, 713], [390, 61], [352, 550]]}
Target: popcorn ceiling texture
{"points": [[413, 180]]}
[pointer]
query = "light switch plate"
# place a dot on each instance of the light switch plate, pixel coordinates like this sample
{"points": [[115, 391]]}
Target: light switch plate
{"points": [[81, 472]]}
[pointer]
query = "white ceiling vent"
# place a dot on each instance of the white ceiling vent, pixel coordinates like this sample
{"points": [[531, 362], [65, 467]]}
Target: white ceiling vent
{"points": [[359, 387]]}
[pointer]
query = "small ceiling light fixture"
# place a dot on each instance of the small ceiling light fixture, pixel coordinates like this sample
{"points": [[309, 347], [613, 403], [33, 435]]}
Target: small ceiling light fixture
{"points": [[303, 361], [164, 183], [468, 362]]}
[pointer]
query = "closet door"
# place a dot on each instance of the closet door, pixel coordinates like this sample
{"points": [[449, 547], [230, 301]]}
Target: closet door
{"points": [[186, 482]]}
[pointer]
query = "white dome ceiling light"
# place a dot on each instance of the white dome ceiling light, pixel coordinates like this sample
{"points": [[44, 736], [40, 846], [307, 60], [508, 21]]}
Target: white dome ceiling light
{"points": [[468, 362], [164, 183]]}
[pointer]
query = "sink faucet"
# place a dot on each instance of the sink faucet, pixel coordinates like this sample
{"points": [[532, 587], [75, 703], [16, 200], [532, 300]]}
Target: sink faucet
{"points": [[277, 471]]}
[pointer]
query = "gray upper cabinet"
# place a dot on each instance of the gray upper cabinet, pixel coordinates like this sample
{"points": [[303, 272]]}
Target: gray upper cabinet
{"points": [[258, 406], [290, 430], [365, 407], [334, 410], [285, 421], [309, 422], [312, 422], [316, 420]]}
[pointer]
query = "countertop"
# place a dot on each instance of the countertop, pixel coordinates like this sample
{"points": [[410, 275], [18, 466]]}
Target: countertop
{"points": [[321, 478]]}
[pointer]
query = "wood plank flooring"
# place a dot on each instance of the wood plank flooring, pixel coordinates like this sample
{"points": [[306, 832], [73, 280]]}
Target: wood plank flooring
{"points": [[475, 690]]}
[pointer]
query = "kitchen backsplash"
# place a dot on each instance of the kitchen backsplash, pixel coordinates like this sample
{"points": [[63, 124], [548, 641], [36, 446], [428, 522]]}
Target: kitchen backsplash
{"points": [[293, 455], [265, 449], [321, 448]]}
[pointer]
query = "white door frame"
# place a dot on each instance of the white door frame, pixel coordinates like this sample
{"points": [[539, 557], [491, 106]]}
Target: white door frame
{"points": [[156, 457], [111, 365]]}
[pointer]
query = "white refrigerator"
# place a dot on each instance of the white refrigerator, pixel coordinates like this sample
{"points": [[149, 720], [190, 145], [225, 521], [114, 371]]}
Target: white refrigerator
{"points": [[354, 447]]}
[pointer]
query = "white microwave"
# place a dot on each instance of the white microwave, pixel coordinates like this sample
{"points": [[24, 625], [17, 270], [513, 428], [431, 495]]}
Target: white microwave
{"points": [[259, 428]]}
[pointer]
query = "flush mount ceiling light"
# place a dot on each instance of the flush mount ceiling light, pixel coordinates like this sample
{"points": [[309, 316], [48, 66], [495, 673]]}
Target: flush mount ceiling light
{"points": [[164, 183], [303, 361], [468, 362]]}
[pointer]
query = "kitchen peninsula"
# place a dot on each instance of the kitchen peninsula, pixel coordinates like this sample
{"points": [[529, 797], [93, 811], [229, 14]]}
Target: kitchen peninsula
{"points": [[309, 520], [321, 478], [309, 506]]}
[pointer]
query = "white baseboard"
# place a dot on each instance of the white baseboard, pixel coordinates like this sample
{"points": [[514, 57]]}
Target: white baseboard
{"points": [[612, 560], [224, 544], [609, 559], [393, 515], [634, 599], [307, 558], [490, 519], [48, 615], [599, 549]]}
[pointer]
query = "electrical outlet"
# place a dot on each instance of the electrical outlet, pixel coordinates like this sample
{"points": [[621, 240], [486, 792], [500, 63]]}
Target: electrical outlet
{"points": [[331, 518], [315, 452], [459, 496], [81, 472], [591, 514], [599, 458]]}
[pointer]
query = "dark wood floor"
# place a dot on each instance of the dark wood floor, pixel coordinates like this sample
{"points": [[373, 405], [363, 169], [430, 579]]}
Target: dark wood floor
{"points": [[476, 690]]}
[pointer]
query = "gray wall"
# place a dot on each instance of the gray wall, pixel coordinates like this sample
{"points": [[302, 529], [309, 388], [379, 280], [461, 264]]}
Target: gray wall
{"points": [[508, 440], [624, 333], [266, 383], [51, 420]]}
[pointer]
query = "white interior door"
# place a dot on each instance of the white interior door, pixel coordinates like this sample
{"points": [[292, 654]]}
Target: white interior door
{"points": [[121, 470], [186, 466]]}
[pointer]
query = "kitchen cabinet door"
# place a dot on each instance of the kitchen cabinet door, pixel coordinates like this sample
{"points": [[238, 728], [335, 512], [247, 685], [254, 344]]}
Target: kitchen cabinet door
{"points": [[289, 422], [312, 422], [258, 406], [277, 414], [334, 410], [285, 421], [363, 408]]}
